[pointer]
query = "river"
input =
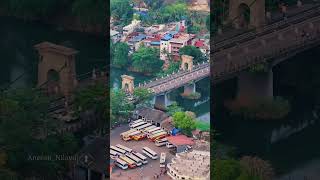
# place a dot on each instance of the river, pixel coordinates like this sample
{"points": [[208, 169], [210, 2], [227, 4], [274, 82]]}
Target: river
{"points": [[291, 143]]}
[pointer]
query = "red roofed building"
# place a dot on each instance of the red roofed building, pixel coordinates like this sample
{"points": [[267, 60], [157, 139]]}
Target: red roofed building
{"points": [[180, 142]]}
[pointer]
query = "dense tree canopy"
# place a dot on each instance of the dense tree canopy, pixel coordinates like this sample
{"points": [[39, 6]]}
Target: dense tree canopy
{"points": [[184, 121], [147, 60], [120, 56], [122, 11], [197, 55]]}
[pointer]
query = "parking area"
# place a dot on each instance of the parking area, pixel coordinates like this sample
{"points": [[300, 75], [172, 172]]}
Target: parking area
{"points": [[144, 172]]}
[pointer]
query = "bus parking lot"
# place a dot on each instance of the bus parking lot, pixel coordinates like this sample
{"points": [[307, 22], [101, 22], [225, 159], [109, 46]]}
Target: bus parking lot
{"points": [[146, 171]]}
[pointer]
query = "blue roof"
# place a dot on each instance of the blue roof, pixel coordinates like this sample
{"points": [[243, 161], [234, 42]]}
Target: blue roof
{"points": [[167, 37], [155, 43], [138, 38]]}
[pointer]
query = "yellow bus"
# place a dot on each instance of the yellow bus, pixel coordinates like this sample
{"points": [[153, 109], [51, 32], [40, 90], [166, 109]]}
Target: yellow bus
{"points": [[130, 162]]}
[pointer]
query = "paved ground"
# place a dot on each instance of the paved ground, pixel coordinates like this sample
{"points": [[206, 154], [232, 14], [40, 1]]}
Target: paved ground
{"points": [[144, 172]]}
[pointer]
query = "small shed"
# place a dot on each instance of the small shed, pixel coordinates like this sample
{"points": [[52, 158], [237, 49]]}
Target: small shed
{"points": [[180, 142], [150, 115]]}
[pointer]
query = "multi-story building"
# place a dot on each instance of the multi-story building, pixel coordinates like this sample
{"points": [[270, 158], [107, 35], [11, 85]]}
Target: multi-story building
{"points": [[180, 40]]}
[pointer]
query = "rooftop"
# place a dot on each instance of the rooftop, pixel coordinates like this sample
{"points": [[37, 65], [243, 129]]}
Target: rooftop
{"points": [[51, 47], [152, 114], [180, 140], [194, 164]]}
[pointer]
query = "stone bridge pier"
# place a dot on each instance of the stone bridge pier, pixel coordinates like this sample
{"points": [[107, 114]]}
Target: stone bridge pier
{"points": [[189, 89], [253, 87], [161, 101]]}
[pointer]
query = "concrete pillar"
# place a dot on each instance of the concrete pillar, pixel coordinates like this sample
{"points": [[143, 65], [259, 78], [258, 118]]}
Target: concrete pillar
{"points": [[89, 174], [254, 86], [189, 89], [162, 101]]}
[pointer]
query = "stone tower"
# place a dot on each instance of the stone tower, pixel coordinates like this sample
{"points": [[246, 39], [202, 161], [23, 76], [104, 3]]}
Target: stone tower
{"points": [[127, 83], [257, 12], [186, 63], [60, 60]]}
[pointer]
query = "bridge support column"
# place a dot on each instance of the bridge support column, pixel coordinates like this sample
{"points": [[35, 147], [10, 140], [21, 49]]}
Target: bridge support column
{"points": [[254, 87], [189, 89], [162, 101]]}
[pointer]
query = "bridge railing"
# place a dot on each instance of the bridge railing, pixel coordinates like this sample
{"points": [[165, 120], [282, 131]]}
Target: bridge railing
{"points": [[311, 12], [221, 70]]}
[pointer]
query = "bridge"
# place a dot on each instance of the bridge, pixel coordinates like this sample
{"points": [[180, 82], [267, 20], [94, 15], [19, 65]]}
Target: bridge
{"points": [[186, 77], [268, 46]]}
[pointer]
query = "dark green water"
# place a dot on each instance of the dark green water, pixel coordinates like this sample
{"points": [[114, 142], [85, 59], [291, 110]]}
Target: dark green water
{"points": [[17, 55], [298, 80]]}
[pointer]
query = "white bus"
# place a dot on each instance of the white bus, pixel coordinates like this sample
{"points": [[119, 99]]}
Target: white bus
{"points": [[140, 156], [135, 159], [143, 126], [147, 151], [162, 160], [137, 125], [161, 142], [149, 128], [121, 164], [155, 132], [114, 153], [154, 129], [131, 163], [121, 151], [124, 148], [158, 136], [134, 122]]}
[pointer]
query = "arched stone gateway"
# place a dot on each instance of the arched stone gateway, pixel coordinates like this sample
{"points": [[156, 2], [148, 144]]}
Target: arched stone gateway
{"points": [[127, 83], [186, 63], [238, 9], [56, 68]]}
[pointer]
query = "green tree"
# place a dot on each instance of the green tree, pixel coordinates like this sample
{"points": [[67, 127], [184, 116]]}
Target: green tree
{"points": [[194, 52], [173, 108], [119, 105], [122, 11], [142, 95], [184, 121], [226, 169], [120, 56], [147, 60], [173, 67]]}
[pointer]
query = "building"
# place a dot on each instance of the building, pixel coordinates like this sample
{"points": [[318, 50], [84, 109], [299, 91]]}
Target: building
{"points": [[193, 165], [115, 36], [131, 27], [164, 44], [150, 115], [135, 42], [180, 142], [167, 125], [92, 161], [202, 46], [177, 42]]}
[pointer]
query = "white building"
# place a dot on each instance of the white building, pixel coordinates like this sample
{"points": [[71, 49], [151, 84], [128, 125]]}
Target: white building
{"points": [[131, 27], [114, 35], [193, 165]]}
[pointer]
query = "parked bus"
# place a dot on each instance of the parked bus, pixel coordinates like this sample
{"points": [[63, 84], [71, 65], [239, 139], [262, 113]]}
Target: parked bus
{"points": [[140, 156], [139, 136], [131, 163], [127, 137], [163, 160], [154, 129], [114, 153], [124, 148], [147, 151], [121, 164], [121, 151], [137, 125], [155, 132], [158, 136], [143, 126], [161, 142], [135, 159], [136, 121], [127, 132], [149, 128]]}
